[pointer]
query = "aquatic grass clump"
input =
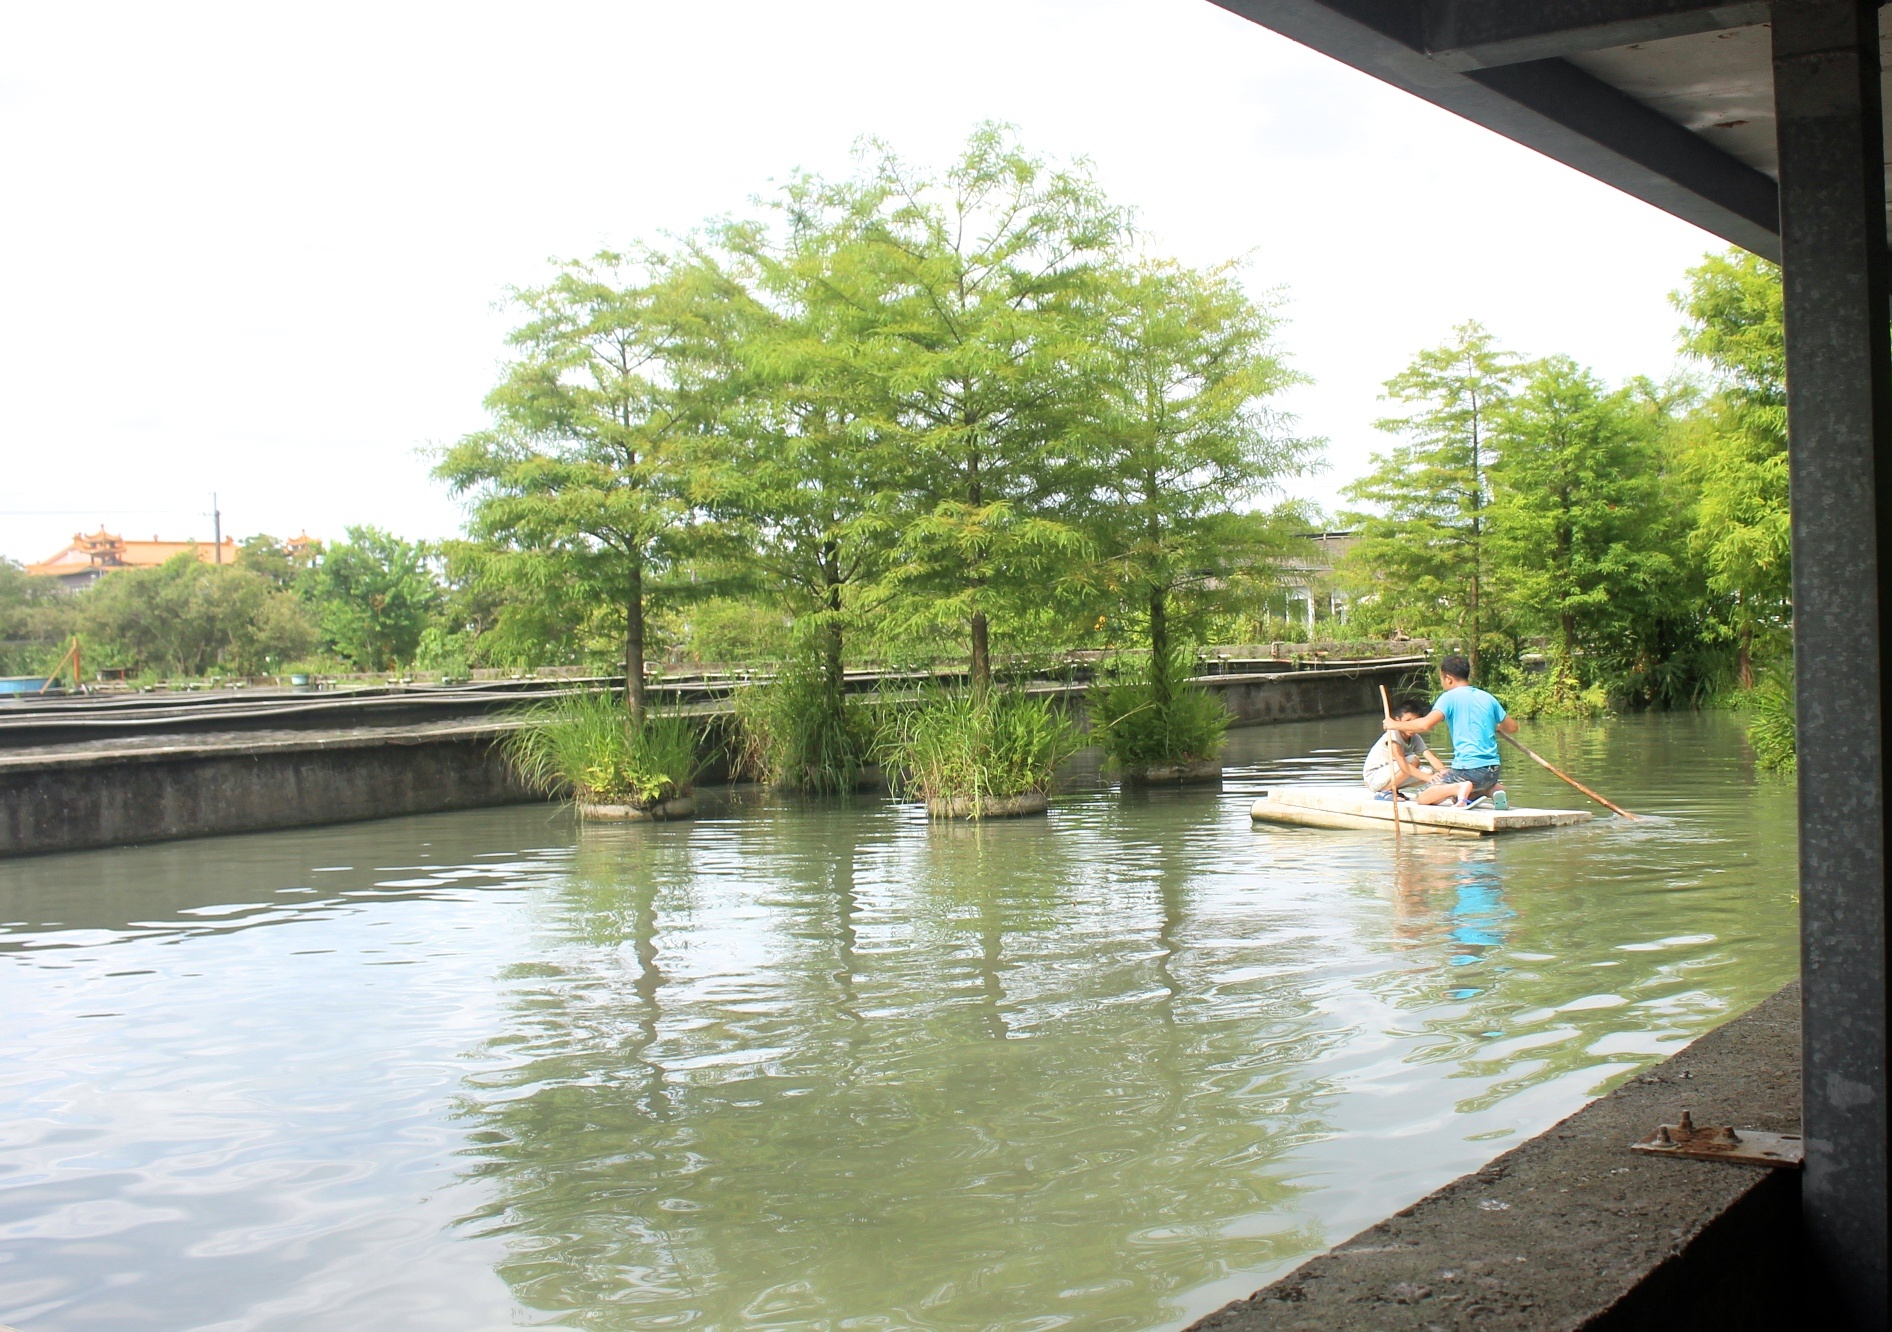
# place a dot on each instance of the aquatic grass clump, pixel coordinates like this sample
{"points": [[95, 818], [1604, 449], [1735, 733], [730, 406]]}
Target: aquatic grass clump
{"points": [[968, 748], [1157, 718], [800, 732], [1771, 730], [586, 746]]}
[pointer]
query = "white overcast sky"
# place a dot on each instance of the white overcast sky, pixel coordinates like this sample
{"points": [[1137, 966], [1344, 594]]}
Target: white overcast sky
{"points": [[256, 249]]}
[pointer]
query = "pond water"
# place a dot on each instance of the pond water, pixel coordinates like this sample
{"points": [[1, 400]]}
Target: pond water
{"points": [[822, 1065]]}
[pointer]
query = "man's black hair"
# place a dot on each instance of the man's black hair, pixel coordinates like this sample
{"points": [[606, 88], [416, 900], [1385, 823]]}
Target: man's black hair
{"points": [[1457, 667], [1409, 707]]}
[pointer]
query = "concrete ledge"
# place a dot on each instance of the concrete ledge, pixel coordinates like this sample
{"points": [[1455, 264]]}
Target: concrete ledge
{"points": [[1574, 1230], [205, 785], [116, 789]]}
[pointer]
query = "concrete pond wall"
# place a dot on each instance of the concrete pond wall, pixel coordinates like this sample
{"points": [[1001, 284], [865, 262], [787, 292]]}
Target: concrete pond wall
{"points": [[153, 788]]}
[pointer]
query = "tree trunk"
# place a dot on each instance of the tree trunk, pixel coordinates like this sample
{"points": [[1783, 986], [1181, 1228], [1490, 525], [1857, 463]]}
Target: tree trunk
{"points": [[1568, 624], [1745, 660], [1159, 646], [634, 647], [1472, 654], [981, 653], [833, 662]]}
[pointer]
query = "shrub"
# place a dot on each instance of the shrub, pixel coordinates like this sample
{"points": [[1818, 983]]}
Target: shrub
{"points": [[801, 733], [1555, 692], [1771, 729], [187, 618], [729, 629], [977, 745], [443, 651], [586, 747], [1157, 717]]}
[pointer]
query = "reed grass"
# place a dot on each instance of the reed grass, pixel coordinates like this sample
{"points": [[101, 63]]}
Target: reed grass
{"points": [[977, 745], [584, 746], [799, 732], [1158, 716]]}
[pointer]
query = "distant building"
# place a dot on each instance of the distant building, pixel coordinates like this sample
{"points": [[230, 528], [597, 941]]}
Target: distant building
{"points": [[1308, 579], [90, 557]]}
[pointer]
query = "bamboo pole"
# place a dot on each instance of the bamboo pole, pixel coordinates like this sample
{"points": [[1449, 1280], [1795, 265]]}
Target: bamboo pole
{"points": [[1555, 771], [1386, 706]]}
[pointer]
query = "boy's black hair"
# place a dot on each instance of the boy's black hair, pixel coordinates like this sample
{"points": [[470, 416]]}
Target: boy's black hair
{"points": [[1409, 707], [1457, 667]]}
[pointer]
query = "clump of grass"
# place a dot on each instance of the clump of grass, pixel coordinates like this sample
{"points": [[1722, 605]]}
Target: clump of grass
{"points": [[585, 746], [1159, 716], [801, 733], [1771, 728], [976, 745]]}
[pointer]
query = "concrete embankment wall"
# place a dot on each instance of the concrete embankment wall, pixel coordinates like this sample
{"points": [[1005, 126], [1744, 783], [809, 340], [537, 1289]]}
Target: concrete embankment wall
{"points": [[70, 802], [155, 788], [1573, 1229]]}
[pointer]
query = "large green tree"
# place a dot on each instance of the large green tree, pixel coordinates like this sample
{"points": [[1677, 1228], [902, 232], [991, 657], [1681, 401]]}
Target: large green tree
{"points": [[805, 462], [976, 327], [1580, 532], [1735, 450], [585, 471], [37, 618], [1421, 563], [1182, 445], [374, 595], [186, 618]]}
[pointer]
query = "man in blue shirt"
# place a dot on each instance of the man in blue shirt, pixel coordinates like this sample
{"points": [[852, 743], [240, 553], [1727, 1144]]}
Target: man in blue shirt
{"points": [[1476, 720]]}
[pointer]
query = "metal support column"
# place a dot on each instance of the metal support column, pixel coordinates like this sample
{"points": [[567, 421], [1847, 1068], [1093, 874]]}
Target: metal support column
{"points": [[1839, 358]]}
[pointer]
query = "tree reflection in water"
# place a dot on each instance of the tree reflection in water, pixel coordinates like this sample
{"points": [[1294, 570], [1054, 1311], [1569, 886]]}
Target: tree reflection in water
{"points": [[825, 1063]]}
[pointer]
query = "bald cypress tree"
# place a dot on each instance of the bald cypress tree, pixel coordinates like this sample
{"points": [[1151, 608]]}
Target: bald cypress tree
{"points": [[1422, 562]]}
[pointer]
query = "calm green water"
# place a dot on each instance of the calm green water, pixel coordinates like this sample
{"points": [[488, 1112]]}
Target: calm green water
{"points": [[825, 1066]]}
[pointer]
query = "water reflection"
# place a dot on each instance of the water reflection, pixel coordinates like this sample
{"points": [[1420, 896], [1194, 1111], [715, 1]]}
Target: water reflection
{"points": [[964, 1088], [826, 1063]]}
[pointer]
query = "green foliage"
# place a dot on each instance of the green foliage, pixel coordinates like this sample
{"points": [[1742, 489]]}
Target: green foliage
{"points": [[184, 618], [1585, 540], [281, 562], [1771, 728], [1158, 717], [1556, 691], [734, 629], [799, 733], [979, 328], [586, 746], [976, 744], [1179, 447], [374, 595], [1420, 563], [37, 621], [1735, 451], [582, 480], [444, 651]]}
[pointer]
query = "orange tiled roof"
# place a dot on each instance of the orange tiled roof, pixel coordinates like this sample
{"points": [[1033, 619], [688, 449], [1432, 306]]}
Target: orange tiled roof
{"points": [[105, 550]]}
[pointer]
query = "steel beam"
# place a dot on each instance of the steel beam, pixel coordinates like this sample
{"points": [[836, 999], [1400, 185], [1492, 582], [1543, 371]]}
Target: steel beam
{"points": [[1839, 378], [1477, 34], [1548, 105]]}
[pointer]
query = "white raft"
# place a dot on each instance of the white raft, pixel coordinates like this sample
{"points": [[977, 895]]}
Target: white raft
{"points": [[1351, 807]]}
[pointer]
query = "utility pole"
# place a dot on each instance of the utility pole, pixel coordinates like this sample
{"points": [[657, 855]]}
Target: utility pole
{"points": [[216, 527]]}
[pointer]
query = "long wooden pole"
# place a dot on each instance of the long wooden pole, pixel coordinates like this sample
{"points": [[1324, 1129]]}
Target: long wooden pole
{"points": [[1551, 768], [1386, 706]]}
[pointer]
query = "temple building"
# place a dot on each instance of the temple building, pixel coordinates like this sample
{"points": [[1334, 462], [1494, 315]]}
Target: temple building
{"points": [[90, 557]]}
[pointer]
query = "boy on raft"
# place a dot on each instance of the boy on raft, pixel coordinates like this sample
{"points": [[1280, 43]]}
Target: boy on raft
{"points": [[1396, 762], [1476, 720]]}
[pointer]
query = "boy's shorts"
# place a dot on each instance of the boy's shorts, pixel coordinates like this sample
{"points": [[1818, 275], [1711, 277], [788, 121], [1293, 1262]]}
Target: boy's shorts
{"points": [[1484, 780]]}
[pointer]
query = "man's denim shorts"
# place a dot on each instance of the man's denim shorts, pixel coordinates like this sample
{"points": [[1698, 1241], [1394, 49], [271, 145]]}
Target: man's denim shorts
{"points": [[1483, 780]]}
